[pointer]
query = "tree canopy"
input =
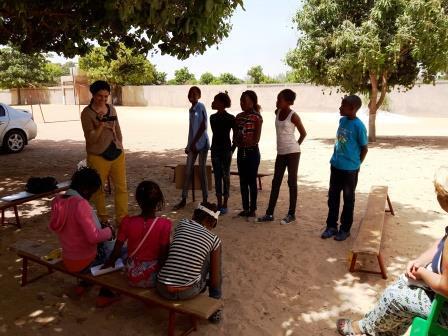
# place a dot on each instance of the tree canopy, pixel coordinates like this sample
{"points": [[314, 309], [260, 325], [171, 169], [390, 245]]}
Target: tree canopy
{"points": [[256, 74], [18, 70], [183, 76], [130, 68], [176, 27], [207, 78], [370, 46]]}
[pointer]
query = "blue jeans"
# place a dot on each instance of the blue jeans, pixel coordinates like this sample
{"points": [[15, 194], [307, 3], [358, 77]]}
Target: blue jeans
{"points": [[221, 161], [248, 160], [191, 159]]}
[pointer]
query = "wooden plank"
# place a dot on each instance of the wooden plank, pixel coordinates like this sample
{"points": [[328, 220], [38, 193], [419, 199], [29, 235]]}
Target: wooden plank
{"points": [[200, 306], [370, 232], [180, 177], [23, 197]]}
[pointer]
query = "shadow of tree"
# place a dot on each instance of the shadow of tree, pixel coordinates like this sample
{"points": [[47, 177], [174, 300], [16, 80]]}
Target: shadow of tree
{"points": [[278, 280]]}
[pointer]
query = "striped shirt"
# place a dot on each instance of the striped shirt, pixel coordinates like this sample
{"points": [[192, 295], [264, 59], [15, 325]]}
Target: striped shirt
{"points": [[192, 244], [247, 124]]}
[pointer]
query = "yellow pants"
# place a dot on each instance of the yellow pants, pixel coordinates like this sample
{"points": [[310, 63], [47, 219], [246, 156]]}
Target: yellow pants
{"points": [[116, 169]]}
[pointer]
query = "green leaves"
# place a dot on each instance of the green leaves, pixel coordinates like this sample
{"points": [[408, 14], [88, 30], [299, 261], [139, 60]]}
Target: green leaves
{"points": [[177, 27], [130, 67]]}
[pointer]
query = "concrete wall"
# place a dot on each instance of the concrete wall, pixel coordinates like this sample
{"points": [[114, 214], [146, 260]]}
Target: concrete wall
{"points": [[429, 100]]}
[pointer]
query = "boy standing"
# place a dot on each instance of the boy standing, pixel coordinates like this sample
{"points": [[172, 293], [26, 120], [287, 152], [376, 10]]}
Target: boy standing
{"points": [[198, 144], [350, 151]]}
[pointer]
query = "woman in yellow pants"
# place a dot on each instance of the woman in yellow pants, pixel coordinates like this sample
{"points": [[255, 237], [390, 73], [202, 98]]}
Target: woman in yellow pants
{"points": [[105, 149]]}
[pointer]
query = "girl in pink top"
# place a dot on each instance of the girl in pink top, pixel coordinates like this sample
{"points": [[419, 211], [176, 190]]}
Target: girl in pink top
{"points": [[147, 236], [80, 234]]}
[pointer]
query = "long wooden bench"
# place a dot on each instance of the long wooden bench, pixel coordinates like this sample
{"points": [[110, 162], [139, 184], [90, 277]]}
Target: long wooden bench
{"points": [[12, 201], [200, 307], [232, 172], [368, 240]]}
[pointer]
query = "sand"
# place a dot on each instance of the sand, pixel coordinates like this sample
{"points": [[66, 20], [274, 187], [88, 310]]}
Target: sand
{"points": [[278, 280]]}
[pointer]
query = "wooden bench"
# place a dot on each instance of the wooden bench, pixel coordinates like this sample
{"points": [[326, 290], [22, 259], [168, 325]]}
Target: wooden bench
{"points": [[368, 240], [200, 307], [232, 172], [12, 201]]}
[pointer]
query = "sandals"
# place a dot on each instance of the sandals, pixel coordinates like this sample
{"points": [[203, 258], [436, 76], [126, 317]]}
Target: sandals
{"points": [[345, 328]]}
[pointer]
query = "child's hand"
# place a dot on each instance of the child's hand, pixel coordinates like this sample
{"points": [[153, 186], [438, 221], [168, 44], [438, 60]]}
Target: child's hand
{"points": [[108, 263], [187, 150]]}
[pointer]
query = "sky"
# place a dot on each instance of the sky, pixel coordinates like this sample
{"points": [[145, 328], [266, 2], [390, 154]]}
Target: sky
{"points": [[262, 34]]}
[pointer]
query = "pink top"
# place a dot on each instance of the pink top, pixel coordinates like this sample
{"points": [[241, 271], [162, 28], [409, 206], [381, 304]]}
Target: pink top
{"points": [[72, 219], [133, 229]]}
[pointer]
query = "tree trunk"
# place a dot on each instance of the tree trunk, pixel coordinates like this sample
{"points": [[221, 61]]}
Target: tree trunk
{"points": [[375, 103]]}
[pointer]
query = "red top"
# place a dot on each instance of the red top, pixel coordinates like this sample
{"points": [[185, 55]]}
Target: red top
{"points": [[134, 228]]}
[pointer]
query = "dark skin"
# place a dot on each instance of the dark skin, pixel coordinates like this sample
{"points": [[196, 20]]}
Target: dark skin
{"points": [[349, 111], [193, 97], [284, 109], [220, 108], [248, 107], [116, 253], [215, 257]]}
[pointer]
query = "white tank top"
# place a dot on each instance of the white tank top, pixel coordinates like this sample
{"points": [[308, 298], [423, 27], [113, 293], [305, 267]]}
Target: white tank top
{"points": [[286, 140]]}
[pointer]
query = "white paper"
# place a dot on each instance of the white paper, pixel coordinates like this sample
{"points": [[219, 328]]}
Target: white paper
{"points": [[96, 270]]}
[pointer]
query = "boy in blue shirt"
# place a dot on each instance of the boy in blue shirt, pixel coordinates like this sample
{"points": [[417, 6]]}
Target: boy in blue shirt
{"points": [[198, 145], [350, 151]]}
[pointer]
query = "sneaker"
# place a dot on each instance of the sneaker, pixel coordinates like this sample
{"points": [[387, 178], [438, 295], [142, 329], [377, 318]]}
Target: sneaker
{"points": [[216, 317], [328, 233], [265, 218], [251, 213], [104, 301], [288, 219], [243, 213], [341, 235], [223, 211]]}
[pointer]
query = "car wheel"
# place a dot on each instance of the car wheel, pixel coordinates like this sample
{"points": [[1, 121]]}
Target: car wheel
{"points": [[14, 141]]}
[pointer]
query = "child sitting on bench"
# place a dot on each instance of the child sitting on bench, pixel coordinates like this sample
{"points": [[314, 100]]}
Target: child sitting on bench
{"points": [[83, 239], [194, 259], [148, 237], [412, 294]]}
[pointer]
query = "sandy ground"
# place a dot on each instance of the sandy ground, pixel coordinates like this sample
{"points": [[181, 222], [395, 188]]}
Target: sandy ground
{"points": [[277, 280]]}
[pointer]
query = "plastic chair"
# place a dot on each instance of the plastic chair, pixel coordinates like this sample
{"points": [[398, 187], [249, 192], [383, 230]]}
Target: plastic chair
{"points": [[430, 326]]}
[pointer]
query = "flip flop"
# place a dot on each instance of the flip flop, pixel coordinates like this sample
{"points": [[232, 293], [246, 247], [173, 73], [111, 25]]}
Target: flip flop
{"points": [[345, 327]]}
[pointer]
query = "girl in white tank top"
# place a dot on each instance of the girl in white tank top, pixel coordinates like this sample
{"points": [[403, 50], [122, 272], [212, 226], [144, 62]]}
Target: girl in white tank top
{"points": [[288, 155]]}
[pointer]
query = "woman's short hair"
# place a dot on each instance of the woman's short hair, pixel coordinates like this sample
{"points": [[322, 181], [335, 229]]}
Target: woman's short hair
{"points": [[224, 98], [99, 85], [288, 95], [85, 179], [149, 196]]}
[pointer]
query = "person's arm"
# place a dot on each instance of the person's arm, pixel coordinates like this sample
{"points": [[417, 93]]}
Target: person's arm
{"points": [[92, 132], [84, 215], [116, 253], [118, 129], [258, 125], [424, 259], [165, 242], [215, 273], [234, 133], [364, 150], [437, 282], [295, 119]]}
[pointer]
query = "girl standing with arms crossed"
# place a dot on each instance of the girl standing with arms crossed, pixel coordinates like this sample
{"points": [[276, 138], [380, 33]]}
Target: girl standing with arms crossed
{"points": [[288, 155], [246, 138], [222, 123]]}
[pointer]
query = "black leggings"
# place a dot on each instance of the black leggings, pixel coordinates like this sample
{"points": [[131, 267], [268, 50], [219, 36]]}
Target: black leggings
{"points": [[248, 160], [290, 161]]}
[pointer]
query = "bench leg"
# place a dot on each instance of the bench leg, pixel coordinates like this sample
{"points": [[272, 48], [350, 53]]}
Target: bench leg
{"points": [[16, 213], [3, 217], [382, 268], [171, 323], [353, 262], [24, 271], [260, 187], [391, 209]]}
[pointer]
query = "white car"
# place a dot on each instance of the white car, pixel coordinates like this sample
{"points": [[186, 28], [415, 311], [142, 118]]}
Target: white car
{"points": [[17, 127]]}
